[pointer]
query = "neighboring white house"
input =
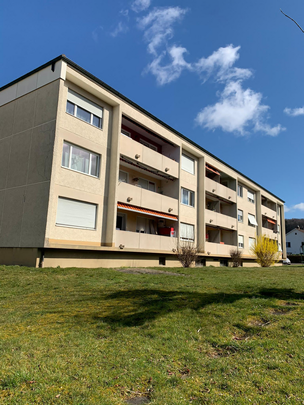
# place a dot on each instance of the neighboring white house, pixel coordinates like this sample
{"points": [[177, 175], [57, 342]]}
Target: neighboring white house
{"points": [[295, 241]]}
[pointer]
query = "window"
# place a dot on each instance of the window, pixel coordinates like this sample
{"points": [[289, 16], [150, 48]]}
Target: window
{"points": [[250, 196], [187, 197], [251, 242], [251, 220], [123, 176], [241, 241], [76, 214], [126, 133], [224, 263], [279, 247], [278, 228], [278, 210], [121, 222], [146, 184], [186, 232], [80, 160], [240, 215], [84, 109], [148, 145], [288, 244], [187, 164], [240, 191], [146, 225]]}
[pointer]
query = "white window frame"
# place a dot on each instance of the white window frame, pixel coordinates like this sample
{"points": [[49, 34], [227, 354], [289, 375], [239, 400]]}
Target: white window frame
{"points": [[240, 191], [249, 194], [149, 182], [251, 243], [242, 215], [79, 101], [121, 181], [189, 197], [90, 162], [184, 167], [187, 238], [241, 244], [85, 204]]}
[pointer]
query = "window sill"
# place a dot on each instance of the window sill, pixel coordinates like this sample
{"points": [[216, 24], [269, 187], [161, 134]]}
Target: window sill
{"points": [[75, 227], [76, 171]]}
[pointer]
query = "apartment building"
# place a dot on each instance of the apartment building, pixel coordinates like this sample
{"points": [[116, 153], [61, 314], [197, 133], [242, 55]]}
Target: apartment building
{"points": [[89, 178]]}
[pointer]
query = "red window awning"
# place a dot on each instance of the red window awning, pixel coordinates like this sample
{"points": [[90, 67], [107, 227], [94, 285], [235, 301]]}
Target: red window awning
{"points": [[212, 169], [129, 207], [271, 222]]}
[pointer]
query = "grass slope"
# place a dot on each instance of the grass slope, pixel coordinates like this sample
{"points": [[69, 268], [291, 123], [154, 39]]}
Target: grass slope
{"points": [[97, 336]]}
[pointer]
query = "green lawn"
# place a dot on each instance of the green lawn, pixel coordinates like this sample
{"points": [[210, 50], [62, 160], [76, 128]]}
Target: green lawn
{"points": [[98, 336]]}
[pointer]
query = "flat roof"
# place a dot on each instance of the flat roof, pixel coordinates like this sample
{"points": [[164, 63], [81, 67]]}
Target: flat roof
{"points": [[126, 99]]}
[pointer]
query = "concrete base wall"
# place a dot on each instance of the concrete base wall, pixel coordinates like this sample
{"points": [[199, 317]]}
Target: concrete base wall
{"points": [[20, 256], [93, 259]]}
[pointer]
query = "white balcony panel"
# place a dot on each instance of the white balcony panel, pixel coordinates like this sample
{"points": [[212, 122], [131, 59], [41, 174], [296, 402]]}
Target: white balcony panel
{"points": [[269, 233], [213, 218], [219, 190], [144, 241], [147, 156], [218, 249], [146, 199], [268, 212]]}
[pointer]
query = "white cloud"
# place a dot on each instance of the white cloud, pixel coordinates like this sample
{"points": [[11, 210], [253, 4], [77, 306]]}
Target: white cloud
{"points": [[121, 28], [125, 12], [220, 64], [157, 26], [95, 33], [140, 5], [294, 112], [167, 73], [295, 207], [299, 207], [237, 110]]}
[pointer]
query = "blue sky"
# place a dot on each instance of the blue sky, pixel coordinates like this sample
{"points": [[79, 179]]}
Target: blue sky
{"points": [[227, 74]]}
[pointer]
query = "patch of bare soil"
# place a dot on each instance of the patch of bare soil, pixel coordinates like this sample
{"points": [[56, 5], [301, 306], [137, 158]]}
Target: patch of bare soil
{"points": [[148, 271]]}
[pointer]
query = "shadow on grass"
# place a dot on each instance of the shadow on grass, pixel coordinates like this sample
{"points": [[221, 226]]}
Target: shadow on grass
{"points": [[138, 306]]}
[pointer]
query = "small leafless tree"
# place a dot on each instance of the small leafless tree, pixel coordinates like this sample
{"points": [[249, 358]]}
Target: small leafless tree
{"points": [[236, 257], [186, 253]]}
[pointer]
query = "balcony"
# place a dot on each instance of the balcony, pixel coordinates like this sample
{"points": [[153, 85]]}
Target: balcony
{"points": [[217, 189], [148, 157], [267, 212], [146, 242], [218, 248], [269, 233], [146, 199], [223, 221]]}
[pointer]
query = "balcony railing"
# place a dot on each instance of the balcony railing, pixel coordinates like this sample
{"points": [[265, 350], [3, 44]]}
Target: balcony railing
{"points": [[268, 212], [144, 241], [219, 190], [271, 234], [140, 197], [141, 153], [213, 218], [218, 248]]}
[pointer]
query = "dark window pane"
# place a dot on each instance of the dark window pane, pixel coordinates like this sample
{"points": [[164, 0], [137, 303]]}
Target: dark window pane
{"points": [[83, 114], [70, 108], [94, 165], [96, 121], [65, 155]]}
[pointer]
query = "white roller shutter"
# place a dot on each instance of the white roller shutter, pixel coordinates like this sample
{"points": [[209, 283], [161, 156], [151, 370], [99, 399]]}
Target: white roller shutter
{"points": [[186, 231], [76, 214], [250, 195], [187, 164], [85, 103]]}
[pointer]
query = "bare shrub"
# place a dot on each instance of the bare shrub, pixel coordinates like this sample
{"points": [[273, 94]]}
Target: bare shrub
{"points": [[236, 257], [186, 253]]}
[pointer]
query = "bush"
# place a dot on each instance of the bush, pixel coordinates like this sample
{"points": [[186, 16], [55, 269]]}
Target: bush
{"points": [[186, 253], [236, 257], [266, 251]]}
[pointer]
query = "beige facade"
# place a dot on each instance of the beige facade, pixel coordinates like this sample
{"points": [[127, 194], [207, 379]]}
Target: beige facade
{"points": [[88, 178]]}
